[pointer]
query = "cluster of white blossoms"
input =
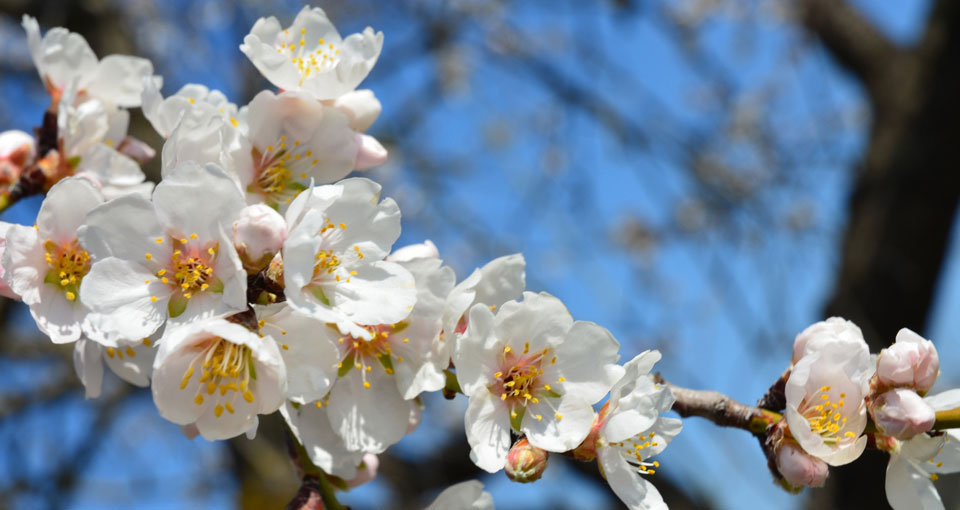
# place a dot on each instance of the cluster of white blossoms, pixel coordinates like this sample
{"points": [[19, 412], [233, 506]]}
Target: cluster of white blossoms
{"points": [[255, 277], [839, 398]]}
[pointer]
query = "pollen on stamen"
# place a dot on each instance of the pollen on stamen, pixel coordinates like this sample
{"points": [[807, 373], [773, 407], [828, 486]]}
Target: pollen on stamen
{"points": [[148, 256], [366, 384]]}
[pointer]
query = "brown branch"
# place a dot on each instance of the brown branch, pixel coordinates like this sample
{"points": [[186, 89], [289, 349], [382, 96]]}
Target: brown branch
{"points": [[309, 495], [850, 37], [720, 409]]}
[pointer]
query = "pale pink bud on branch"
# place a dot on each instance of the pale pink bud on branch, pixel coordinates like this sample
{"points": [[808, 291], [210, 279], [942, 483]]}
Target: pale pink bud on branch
{"points": [[911, 362], [798, 468], [832, 330], [258, 236], [17, 150], [902, 414], [525, 462]]}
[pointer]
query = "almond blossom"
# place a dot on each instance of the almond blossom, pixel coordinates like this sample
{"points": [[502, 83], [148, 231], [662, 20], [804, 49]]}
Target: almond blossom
{"points": [[532, 369], [169, 258], [45, 265], [310, 55], [63, 57], [825, 393], [914, 466], [218, 375], [629, 431], [369, 380], [333, 267]]}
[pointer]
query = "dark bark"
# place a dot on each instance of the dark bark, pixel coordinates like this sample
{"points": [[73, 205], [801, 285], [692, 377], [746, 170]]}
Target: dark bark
{"points": [[904, 198]]}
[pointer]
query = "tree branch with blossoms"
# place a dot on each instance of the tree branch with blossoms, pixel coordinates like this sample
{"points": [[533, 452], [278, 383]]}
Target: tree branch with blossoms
{"points": [[257, 277]]}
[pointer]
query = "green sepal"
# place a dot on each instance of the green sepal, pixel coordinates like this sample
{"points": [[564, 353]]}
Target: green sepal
{"points": [[216, 286], [74, 161], [345, 365], [318, 293], [551, 393], [251, 368], [177, 305], [515, 421], [53, 277], [386, 362]]}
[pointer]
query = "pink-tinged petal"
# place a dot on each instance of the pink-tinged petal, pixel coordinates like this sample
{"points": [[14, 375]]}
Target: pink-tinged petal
{"points": [[370, 153]]}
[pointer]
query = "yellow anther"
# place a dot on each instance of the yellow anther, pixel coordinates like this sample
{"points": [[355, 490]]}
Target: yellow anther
{"points": [[217, 411], [70, 295], [248, 396], [153, 299], [559, 416], [538, 417], [148, 256], [198, 399], [366, 384], [506, 349]]}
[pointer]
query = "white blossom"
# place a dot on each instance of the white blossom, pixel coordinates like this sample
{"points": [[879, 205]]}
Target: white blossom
{"points": [[532, 369], [63, 57], [333, 257], [218, 375], [310, 55], [169, 258], [45, 265], [825, 393]]}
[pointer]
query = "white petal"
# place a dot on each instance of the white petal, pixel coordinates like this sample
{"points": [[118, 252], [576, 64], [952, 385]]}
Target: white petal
{"points": [[311, 353], [119, 79], [116, 288], [368, 419], [323, 445], [558, 434], [587, 359], [135, 369], [626, 482], [65, 208], [125, 227], [379, 293], [540, 319], [196, 199], [475, 357], [909, 488], [487, 424], [502, 279], [86, 361], [467, 495]]}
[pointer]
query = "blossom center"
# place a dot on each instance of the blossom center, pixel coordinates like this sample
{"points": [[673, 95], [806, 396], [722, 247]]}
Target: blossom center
{"points": [[632, 449], [363, 354], [520, 382], [309, 58], [69, 263], [281, 171], [825, 414], [227, 367], [189, 270]]}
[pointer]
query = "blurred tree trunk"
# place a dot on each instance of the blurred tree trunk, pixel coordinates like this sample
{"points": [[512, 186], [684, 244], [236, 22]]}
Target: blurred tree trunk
{"points": [[904, 196]]}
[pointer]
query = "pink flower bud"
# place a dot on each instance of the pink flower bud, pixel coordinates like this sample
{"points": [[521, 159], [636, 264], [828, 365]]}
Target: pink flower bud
{"points": [[587, 450], [17, 150], [366, 472], [258, 236], [902, 414], [371, 153], [424, 250], [525, 462], [798, 468], [911, 362], [834, 329]]}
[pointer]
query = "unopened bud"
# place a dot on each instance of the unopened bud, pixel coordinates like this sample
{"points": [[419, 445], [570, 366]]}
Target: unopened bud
{"points": [[911, 362], [525, 462], [366, 471], [902, 414], [258, 236], [424, 250], [798, 468], [17, 150], [370, 154], [834, 329]]}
